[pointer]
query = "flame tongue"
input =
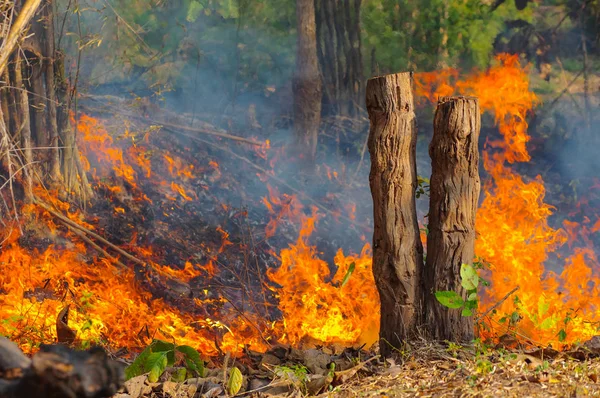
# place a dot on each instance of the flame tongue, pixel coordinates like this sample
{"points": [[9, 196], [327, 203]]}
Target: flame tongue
{"points": [[318, 304], [514, 235]]}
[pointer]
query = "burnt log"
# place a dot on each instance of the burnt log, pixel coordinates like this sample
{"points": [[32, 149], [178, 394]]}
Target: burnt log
{"points": [[454, 195], [397, 247], [57, 371]]}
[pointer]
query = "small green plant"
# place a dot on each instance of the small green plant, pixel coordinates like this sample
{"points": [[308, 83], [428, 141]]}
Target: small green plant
{"points": [[470, 282], [422, 187], [159, 355], [453, 348], [297, 374]]}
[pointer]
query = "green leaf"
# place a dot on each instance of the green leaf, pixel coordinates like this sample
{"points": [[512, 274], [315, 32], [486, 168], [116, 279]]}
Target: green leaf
{"points": [[348, 273], [234, 384], [562, 335], [160, 345], [137, 367], [466, 312], [192, 359], [179, 376], [469, 277], [472, 296], [515, 317], [194, 11], [156, 365], [449, 299], [165, 346]]}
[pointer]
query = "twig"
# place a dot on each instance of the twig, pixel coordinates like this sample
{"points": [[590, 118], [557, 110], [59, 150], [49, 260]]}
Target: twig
{"points": [[563, 92], [90, 233], [175, 128], [248, 320], [20, 24], [493, 307], [362, 156], [95, 246]]}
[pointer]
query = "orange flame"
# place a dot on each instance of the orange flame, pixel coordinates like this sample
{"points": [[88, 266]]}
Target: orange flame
{"points": [[512, 224]]}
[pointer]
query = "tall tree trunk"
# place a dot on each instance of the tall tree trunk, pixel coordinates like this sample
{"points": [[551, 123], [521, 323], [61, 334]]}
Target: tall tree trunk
{"points": [[51, 93], [397, 248], [454, 197], [340, 56], [24, 128], [307, 83]]}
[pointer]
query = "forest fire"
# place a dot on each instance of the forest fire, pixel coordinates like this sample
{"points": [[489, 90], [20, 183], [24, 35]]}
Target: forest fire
{"points": [[514, 236], [110, 305]]}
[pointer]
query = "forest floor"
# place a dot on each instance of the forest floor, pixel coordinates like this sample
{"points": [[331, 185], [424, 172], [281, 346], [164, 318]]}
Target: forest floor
{"points": [[425, 371]]}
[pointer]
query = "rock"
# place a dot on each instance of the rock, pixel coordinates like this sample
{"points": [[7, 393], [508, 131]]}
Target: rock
{"points": [[593, 346], [11, 356]]}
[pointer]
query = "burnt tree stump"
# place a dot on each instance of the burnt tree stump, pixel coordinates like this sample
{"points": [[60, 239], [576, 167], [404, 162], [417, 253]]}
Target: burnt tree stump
{"points": [[454, 195], [57, 371], [397, 248]]}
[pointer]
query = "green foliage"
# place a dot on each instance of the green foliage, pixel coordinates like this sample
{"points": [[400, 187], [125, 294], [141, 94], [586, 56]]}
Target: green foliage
{"points": [[431, 33], [159, 355], [296, 374], [470, 282], [422, 187]]}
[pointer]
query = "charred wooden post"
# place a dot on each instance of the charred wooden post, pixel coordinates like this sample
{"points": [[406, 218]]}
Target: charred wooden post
{"points": [[454, 194], [397, 248]]}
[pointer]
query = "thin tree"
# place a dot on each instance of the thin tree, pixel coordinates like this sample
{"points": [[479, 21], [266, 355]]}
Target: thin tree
{"points": [[37, 144], [307, 83]]}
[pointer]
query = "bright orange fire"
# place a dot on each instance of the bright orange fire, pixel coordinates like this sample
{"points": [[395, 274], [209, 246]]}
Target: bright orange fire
{"points": [[319, 303], [512, 222], [315, 310]]}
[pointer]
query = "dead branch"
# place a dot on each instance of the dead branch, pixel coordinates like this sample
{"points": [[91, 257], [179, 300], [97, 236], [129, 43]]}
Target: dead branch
{"points": [[68, 222], [178, 129], [95, 246], [493, 307], [23, 19]]}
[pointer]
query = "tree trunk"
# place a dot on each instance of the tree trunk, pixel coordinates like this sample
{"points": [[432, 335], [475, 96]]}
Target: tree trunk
{"points": [[454, 197], [340, 56], [307, 83], [397, 248]]}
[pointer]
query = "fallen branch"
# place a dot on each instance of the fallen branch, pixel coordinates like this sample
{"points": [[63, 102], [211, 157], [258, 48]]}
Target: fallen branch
{"points": [[95, 246], [68, 222], [90, 233], [175, 128], [493, 307], [25, 16]]}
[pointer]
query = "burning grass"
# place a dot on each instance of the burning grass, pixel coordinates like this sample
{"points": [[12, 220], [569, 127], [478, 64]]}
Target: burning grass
{"points": [[223, 273]]}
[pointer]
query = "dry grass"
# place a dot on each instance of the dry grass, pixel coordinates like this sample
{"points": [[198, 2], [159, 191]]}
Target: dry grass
{"points": [[469, 371]]}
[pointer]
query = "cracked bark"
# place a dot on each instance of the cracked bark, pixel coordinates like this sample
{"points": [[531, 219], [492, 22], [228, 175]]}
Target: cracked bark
{"points": [[454, 195], [397, 248]]}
